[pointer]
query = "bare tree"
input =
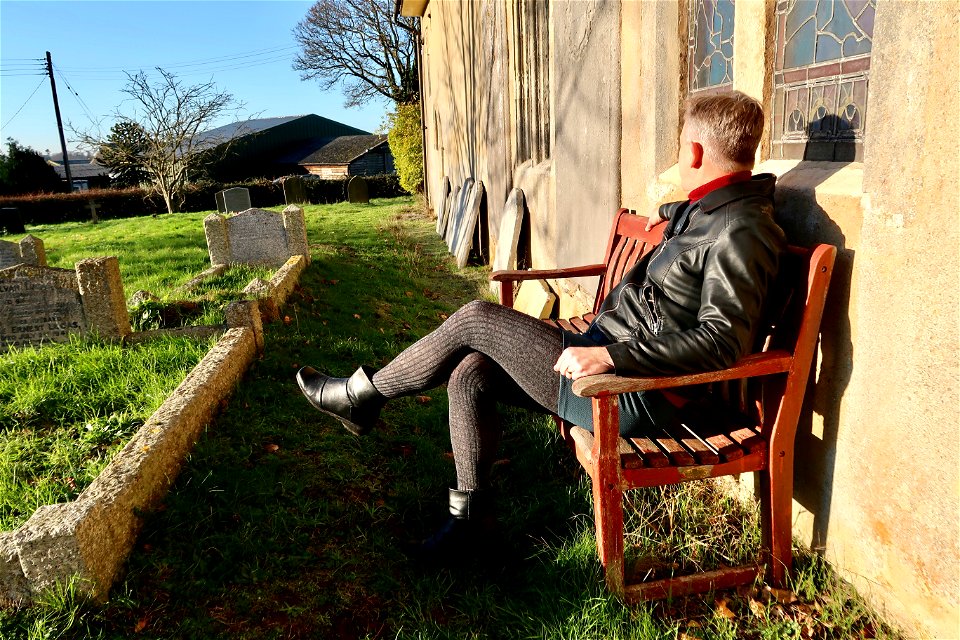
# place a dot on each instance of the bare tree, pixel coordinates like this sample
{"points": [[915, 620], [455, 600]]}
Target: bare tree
{"points": [[172, 119], [362, 44]]}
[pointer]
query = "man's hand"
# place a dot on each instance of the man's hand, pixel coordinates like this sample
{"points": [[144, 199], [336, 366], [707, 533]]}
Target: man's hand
{"points": [[576, 362], [654, 218]]}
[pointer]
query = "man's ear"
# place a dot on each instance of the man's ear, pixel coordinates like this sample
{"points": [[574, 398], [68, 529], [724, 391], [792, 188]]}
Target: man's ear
{"points": [[696, 155]]}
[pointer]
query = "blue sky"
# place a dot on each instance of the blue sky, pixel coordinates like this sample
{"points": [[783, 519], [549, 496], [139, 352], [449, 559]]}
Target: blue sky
{"points": [[245, 47]]}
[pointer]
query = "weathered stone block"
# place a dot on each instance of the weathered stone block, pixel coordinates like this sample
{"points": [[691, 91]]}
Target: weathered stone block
{"points": [[218, 244], [295, 225], [104, 304], [28, 251]]}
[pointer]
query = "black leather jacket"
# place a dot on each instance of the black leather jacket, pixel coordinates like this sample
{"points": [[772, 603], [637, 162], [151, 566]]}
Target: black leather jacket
{"points": [[694, 304]]}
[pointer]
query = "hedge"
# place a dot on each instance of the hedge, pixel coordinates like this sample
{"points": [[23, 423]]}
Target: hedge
{"points": [[51, 208]]}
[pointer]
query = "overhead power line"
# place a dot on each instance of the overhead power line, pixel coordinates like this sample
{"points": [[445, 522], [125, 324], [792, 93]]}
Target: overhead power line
{"points": [[24, 103], [268, 55]]}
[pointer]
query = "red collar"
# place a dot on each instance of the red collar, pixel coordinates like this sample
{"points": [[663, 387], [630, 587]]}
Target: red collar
{"points": [[722, 181]]}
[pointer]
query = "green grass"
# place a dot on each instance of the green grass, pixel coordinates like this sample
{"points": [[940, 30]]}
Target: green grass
{"points": [[156, 254], [66, 409], [283, 525]]}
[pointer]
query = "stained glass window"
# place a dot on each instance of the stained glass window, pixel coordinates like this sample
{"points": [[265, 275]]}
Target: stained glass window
{"points": [[710, 45], [821, 72]]}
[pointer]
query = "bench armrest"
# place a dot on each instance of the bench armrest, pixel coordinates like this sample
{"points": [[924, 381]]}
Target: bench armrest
{"points": [[758, 364], [543, 274]]}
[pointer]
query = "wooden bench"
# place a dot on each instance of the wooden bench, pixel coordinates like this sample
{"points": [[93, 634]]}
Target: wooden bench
{"points": [[759, 438]]}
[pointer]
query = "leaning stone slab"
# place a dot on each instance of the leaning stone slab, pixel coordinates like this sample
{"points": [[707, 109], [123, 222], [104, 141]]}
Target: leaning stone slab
{"points": [[28, 251], [448, 213], [457, 213], [91, 537], [509, 236], [505, 256], [463, 240], [442, 205], [256, 236]]}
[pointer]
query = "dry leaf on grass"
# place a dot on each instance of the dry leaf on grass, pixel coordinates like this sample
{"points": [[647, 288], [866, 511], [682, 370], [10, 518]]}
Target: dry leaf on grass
{"points": [[721, 608], [757, 608], [423, 399]]}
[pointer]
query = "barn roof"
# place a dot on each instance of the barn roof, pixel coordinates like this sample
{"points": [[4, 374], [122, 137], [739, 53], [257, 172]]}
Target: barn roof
{"points": [[338, 150]]}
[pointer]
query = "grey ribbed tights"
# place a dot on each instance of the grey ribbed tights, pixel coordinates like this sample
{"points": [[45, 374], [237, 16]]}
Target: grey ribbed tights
{"points": [[486, 353]]}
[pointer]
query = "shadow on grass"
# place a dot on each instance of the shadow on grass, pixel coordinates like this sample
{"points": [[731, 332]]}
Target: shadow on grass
{"points": [[284, 525]]}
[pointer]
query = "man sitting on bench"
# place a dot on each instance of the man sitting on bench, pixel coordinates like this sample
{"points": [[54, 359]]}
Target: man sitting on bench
{"points": [[694, 304]]}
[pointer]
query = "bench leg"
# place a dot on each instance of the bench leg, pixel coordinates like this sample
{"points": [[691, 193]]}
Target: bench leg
{"points": [[777, 513], [608, 494]]}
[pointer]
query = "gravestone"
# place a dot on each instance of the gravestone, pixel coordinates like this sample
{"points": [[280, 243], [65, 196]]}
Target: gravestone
{"points": [[358, 191], [509, 236], [233, 200], [457, 213], [294, 190], [40, 304], [468, 224], [442, 205], [11, 220], [256, 236], [449, 212], [28, 251]]}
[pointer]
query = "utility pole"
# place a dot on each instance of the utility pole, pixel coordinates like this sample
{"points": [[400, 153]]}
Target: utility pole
{"points": [[56, 108]]}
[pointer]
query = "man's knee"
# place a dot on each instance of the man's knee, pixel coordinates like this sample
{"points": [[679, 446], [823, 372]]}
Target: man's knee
{"points": [[471, 375]]}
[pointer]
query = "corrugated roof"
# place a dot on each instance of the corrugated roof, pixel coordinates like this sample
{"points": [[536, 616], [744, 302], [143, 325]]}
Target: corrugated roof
{"points": [[339, 150], [241, 128]]}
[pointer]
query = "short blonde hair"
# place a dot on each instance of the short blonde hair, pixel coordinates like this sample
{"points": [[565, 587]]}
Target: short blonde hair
{"points": [[729, 126]]}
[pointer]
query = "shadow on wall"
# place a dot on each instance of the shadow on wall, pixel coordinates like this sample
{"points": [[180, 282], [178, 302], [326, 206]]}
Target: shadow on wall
{"points": [[805, 223]]}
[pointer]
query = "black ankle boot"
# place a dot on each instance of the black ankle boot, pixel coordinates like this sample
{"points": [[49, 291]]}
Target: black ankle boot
{"points": [[354, 400], [467, 532]]}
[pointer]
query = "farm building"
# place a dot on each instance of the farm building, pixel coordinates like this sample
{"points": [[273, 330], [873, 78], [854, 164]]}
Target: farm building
{"points": [[273, 147]]}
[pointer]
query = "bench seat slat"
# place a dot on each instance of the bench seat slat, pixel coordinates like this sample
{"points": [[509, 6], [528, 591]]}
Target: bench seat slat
{"points": [[580, 324], [679, 456], [651, 453], [702, 451], [726, 447]]}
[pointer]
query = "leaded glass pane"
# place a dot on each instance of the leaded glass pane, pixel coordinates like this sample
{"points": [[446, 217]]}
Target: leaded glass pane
{"points": [[710, 45], [822, 69]]}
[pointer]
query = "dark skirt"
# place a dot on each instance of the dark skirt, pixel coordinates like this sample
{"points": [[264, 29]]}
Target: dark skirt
{"points": [[642, 414]]}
